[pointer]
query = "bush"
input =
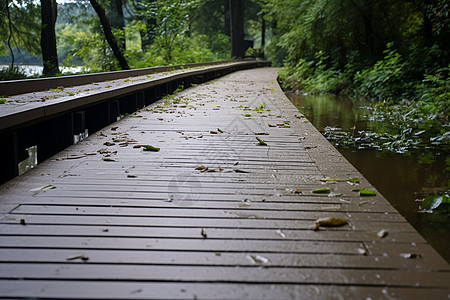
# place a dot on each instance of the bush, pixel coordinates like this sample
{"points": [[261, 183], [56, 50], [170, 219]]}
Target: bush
{"points": [[313, 76], [12, 73], [385, 79]]}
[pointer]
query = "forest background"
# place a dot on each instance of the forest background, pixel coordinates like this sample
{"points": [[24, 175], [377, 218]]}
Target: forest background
{"points": [[392, 51]]}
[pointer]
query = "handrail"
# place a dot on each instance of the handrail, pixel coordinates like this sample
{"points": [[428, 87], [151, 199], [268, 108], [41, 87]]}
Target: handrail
{"points": [[36, 110], [22, 86]]}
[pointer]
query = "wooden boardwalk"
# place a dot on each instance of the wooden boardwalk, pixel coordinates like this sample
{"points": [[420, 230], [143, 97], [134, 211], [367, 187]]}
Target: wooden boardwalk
{"points": [[212, 215]]}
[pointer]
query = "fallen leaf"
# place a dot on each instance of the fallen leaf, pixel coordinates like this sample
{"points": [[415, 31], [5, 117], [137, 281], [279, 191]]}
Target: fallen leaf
{"points": [[261, 133], [219, 130], [131, 176], [108, 143], [201, 168], [240, 171], [271, 125], [213, 132], [22, 222], [114, 128], [83, 257], [382, 233], [410, 255], [137, 146], [150, 148], [367, 193], [280, 233], [258, 259], [362, 251], [321, 191], [43, 188], [108, 159], [261, 142], [298, 191], [333, 194], [354, 180], [203, 233], [75, 156], [329, 222]]}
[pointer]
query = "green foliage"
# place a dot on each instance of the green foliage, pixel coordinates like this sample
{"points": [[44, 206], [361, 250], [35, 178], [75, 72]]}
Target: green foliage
{"points": [[385, 79], [313, 76], [12, 73], [434, 93]]}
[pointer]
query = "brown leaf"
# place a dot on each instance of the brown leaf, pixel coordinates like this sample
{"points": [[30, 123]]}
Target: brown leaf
{"points": [[329, 222]]}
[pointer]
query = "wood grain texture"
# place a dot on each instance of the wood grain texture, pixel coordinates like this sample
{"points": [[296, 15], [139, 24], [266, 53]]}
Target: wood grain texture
{"points": [[212, 215]]}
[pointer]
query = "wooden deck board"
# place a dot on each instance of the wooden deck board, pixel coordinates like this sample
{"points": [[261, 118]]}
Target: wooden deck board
{"points": [[171, 231]]}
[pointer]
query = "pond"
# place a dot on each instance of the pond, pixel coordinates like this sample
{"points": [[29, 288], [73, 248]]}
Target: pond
{"points": [[404, 179]]}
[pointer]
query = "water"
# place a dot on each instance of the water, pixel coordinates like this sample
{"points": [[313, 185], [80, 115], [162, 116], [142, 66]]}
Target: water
{"points": [[402, 179], [36, 70]]}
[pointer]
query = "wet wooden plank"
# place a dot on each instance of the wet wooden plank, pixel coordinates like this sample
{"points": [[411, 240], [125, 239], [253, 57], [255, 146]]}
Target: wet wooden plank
{"points": [[211, 233], [243, 222], [209, 258], [176, 232], [167, 290], [255, 274]]}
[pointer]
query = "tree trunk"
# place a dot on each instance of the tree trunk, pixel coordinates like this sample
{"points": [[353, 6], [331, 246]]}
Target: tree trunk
{"points": [[8, 13], [109, 35], [116, 18], [263, 36], [237, 29], [227, 18], [48, 37]]}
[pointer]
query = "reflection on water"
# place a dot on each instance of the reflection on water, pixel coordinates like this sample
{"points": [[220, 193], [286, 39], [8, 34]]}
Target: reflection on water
{"points": [[36, 70], [400, 178]]}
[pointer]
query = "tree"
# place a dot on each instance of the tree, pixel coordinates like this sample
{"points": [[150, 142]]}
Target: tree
{"points": [[109, 35], [237, 29], [48, 37], [18, 28], [117, 21]]}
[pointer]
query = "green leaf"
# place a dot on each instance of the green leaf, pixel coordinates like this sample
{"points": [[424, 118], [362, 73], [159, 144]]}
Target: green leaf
{"points": [[150, 148], [354, 180], [108, 159], [434, 201], [247, 115], [367, 193], [2, 101], [261, 142], [322, 191], [219, 130]]}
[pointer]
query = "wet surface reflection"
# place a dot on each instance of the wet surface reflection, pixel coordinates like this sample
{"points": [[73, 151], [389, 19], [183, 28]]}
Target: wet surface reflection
{"points": [[402, 179]]}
